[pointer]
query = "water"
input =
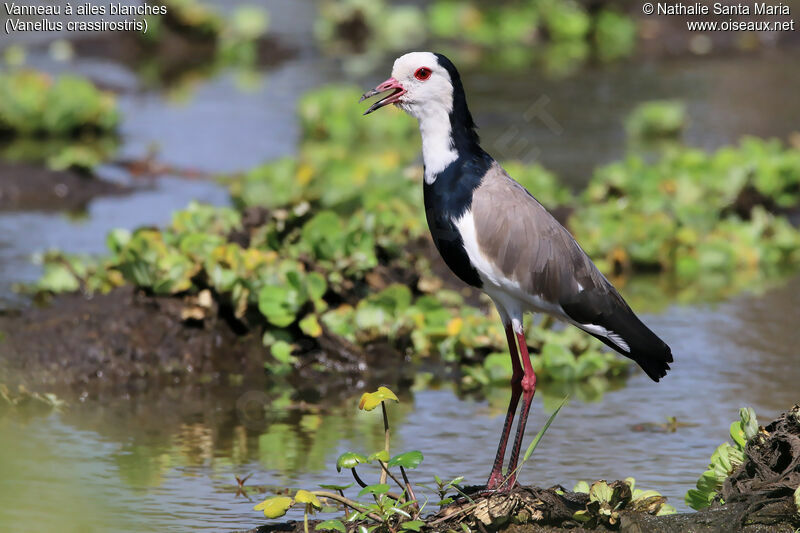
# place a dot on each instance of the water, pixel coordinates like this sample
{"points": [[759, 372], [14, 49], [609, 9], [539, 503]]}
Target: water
{"points": [[166, 460]]}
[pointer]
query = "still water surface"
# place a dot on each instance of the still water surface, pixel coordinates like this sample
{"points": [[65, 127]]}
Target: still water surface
{"points": [[167, 460], [121, 466]]}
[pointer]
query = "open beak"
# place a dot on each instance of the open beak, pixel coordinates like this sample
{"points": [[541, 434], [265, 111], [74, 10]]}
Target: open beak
{"points": [[392, 98]]}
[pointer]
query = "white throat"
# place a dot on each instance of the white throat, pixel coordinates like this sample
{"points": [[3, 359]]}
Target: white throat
{"points": [[437, 142]]}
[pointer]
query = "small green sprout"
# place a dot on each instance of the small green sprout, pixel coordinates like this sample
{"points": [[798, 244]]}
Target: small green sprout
{"points": [[311, 502], [398, 512], [371, 400]]}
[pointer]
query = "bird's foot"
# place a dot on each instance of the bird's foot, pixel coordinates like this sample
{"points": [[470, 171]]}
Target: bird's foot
{"points": [[498, 484], [477, 492]]}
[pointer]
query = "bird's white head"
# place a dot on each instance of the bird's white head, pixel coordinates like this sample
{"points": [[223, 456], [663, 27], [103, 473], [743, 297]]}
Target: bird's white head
{"points": [[420, 86], [428, 87]]}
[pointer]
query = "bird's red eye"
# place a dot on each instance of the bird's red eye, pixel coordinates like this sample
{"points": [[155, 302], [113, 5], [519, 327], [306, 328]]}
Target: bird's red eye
{"points": [[422, 73]]}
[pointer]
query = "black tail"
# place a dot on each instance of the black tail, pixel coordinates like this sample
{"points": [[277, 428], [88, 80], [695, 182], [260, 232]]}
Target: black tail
{"points": [[625, 332], [646, 348]]}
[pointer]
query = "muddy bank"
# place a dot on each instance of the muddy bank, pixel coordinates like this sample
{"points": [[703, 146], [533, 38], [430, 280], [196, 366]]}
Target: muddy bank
{"points": [[26, 187], [758, 498], [133, 340]]}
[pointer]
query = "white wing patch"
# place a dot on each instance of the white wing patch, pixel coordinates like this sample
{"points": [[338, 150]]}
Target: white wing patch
{"points": [[610, 335], [509, 297]]}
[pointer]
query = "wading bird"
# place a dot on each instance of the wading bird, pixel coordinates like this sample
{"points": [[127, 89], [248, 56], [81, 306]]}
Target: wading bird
{"points": [[495, 236]]}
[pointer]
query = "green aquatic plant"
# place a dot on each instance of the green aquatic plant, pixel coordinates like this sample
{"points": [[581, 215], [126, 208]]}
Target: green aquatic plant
{"points": [[327, 244], [797, 498], [556, 35], [565, 21], [213, 40], [35, 104], [657, 119], [22, 399], [383, 508], [563, 355], [368, 25], [504, 35], [614, 35], [692, 213], [606, 500], [64, 121], [724, 461], [390, 504]]}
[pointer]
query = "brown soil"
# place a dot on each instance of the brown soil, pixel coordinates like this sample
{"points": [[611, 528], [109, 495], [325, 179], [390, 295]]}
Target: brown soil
{"points": [[131, 340], [26, 187]]}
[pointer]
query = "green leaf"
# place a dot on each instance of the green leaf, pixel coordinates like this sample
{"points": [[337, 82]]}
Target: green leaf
{"points": [[303, 496], [407, 460], [310, 326], [797, 498], [697, 499], [666, 509], [600, 492], [279, 304], [331, 525], [382, 455], [371, 400], [455, 481], [349, 460], [282, 351], [538, 437], [336, 487], [749, 422], [316, 287], [737, 435], [708, 481], [378, 488], [412, 525], [581, 486], [274, 507]]}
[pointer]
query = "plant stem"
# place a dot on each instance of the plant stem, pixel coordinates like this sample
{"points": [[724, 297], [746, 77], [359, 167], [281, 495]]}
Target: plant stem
{"points": [[305, 520], [386, 470], [358, 479], [408, 487], [385, 438], [346, 502]]}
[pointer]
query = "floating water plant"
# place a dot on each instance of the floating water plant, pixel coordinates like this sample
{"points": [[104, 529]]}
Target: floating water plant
{"points": [[608, 500], [35, 104], [725, 459], [327, 243], [658, 119]]}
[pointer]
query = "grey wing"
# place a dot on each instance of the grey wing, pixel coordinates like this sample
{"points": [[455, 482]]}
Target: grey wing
{"points": [[523, 240]]}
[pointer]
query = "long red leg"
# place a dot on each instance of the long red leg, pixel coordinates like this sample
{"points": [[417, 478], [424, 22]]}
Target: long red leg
{"points": [[496, 477], [528, 386]]}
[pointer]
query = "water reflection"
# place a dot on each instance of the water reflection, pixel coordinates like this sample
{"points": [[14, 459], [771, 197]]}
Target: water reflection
{"points": [[169, 458]]}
